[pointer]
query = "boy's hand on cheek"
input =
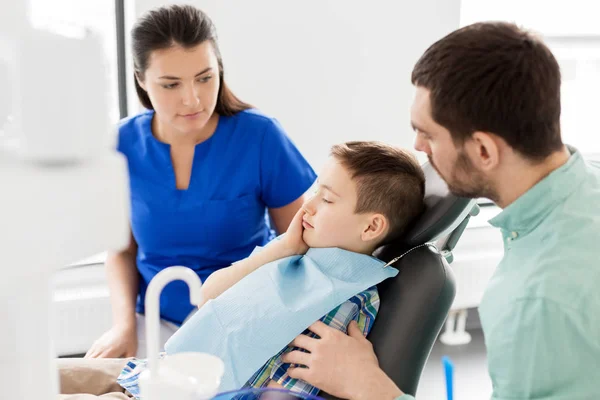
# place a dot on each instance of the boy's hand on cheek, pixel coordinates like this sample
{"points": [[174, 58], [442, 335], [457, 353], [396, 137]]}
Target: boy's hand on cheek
{"points": [[292, 240], [289, 244]]}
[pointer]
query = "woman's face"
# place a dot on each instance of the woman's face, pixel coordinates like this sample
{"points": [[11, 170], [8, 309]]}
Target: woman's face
{"points": [[182, 85]]}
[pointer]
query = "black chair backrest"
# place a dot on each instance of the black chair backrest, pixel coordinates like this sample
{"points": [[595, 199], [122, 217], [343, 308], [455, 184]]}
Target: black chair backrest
{"points": [[415, 303], [443, 213], [413, 308]]}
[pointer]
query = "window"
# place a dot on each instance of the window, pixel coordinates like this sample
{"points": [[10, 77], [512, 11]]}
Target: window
{"points": [[103, 18], [95, 15], [579, 59], [571, 31]]}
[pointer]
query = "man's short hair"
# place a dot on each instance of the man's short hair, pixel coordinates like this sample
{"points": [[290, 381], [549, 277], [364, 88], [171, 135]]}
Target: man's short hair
{"points": [[388, 180], [494, 77]]}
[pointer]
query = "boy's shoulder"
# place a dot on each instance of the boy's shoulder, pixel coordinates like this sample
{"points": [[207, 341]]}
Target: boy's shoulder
{"points": [[366, 299], [362, 305]]}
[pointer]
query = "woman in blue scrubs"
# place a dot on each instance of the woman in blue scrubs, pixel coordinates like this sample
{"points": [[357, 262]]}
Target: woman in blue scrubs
{"points": [[204, 170]]}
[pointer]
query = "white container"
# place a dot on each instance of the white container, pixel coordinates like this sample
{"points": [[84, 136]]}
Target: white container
{"points": [[183, 376]]}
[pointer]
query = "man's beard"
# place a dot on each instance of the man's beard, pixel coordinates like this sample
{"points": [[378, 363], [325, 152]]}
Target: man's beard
{"points": [[465, 180]]}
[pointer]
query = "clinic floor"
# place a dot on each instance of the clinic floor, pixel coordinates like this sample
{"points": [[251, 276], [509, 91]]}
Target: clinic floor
{"points": [[471, 380]]}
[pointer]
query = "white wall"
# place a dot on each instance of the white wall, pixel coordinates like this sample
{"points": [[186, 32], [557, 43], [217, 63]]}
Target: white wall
{"points": [[329, 70], [577, 17]]}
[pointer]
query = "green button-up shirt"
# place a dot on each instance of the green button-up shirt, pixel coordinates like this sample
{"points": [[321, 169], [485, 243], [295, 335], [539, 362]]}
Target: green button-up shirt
{"points": [[541, 310]]}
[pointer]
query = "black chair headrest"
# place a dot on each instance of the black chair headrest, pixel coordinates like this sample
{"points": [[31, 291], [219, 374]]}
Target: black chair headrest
{"points": [[442, 214]]}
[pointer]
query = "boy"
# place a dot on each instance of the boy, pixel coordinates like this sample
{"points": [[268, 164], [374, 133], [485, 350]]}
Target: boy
{"points": [[366, 195]]}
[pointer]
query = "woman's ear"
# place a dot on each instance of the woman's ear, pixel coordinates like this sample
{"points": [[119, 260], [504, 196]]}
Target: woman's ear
{"points": [[140, 81], [377, 228]]}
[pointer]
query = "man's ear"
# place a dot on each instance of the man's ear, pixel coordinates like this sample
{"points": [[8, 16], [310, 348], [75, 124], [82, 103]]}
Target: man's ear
{"points": [[483, 149], [140, 81], [376, 229]]}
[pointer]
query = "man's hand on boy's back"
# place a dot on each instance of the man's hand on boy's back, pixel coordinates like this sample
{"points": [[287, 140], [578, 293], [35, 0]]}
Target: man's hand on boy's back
{"points": [[292, 242], [340, 364]]}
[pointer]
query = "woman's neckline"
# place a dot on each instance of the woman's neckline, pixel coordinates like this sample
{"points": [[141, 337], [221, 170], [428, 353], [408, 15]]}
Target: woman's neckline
{"points": [[150, 131]]}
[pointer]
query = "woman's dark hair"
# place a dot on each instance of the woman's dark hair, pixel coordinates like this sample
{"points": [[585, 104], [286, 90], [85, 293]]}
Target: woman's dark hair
{"points": [[182, 25]]}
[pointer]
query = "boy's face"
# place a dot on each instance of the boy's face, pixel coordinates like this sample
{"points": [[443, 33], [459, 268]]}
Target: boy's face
{"points": [[330, 220]]}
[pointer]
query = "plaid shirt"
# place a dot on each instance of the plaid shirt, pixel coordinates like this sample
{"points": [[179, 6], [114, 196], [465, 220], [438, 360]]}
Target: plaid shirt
{"points": [[361, 308]]}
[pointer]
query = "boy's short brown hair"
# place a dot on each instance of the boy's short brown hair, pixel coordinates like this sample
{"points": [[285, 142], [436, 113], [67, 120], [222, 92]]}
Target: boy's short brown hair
{"points": [[388, 180]]}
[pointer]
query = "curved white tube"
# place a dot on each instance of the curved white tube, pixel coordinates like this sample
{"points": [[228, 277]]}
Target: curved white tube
{"points": [[152, 305]]}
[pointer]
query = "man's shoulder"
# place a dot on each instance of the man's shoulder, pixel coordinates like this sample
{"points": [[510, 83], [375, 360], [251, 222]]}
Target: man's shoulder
{"points": [[567, 278], [572, 228], [561, 274], [584, 201], [551, 308]]}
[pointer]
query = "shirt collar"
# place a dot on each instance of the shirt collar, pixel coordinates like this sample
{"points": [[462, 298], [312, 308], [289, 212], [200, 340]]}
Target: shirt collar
{"points": [[529, 210]]}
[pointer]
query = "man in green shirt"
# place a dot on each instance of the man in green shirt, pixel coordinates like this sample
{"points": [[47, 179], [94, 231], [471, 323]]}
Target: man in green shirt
{"points": [[487, 114]]}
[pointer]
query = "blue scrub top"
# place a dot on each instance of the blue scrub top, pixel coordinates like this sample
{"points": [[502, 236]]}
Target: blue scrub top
{"points": [[247, 166]]}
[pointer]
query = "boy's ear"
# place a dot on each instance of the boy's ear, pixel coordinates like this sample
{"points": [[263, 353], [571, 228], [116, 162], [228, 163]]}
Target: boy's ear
{"points": [[377, 228]]}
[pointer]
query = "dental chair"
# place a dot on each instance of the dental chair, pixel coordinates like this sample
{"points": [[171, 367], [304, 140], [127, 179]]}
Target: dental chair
{"points": [[415, 304]]}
